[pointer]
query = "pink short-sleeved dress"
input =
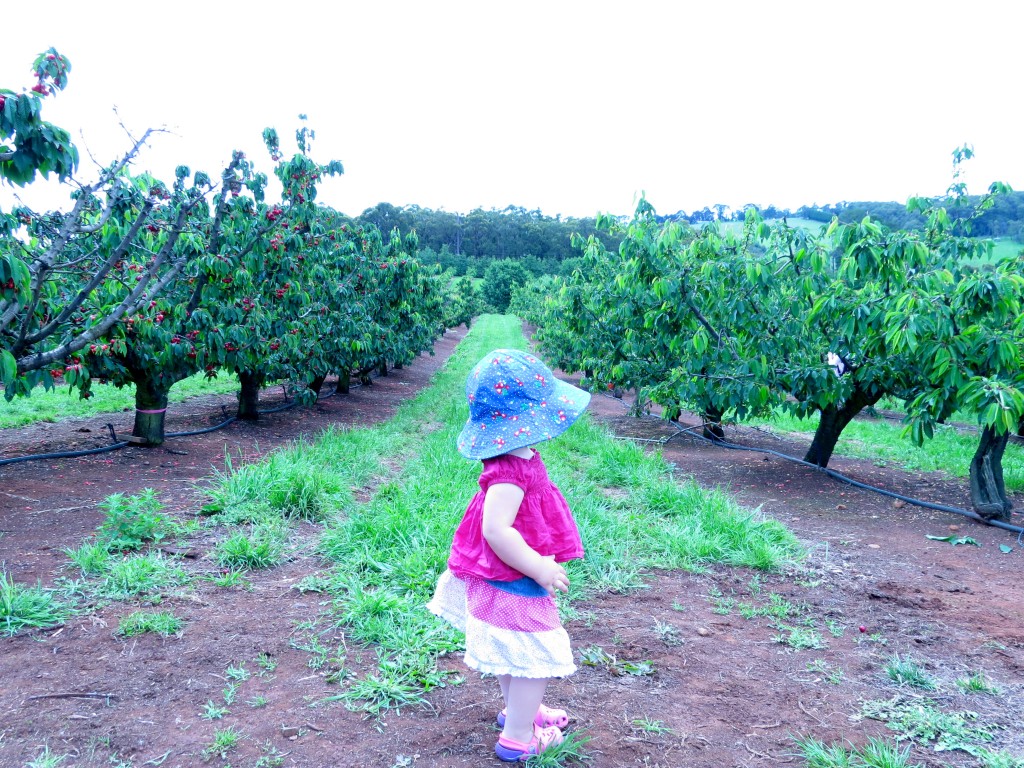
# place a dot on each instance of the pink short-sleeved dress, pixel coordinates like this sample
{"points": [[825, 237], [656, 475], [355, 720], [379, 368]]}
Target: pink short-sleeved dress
{"points": [[510, 621]]}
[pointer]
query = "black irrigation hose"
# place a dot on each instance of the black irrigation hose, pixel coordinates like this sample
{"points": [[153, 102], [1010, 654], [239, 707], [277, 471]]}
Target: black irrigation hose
{"points": [[856, 483], [865, 486], [65, 454], [204, 431]]}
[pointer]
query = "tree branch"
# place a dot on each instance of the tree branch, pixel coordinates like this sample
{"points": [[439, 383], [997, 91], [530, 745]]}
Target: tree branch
{"points": [[116, 255]]}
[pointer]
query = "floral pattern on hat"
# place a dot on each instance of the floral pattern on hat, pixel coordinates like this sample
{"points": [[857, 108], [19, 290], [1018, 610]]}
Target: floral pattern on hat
{"points": [[514, 401]]}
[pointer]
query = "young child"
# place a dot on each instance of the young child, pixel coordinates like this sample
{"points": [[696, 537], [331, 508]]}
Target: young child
{"points": [[504, 568]]}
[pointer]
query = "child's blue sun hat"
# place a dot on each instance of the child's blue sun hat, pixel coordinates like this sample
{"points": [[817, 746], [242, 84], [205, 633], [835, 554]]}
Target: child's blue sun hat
{"points": [[514, 401]]}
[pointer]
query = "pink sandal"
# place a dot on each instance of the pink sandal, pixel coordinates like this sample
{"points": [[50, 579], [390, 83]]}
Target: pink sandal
{"points": [[546, 717], [511, 751]]}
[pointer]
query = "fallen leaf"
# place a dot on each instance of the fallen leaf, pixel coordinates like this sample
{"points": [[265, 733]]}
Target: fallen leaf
{"points": [[1005, 549], [954, 540]]}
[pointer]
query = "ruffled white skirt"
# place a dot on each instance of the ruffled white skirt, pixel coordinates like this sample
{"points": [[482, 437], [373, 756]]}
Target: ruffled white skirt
{"points": [[512, 628]]}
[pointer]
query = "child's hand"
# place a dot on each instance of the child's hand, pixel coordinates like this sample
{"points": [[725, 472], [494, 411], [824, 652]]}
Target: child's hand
{"points": [[552, 576]]}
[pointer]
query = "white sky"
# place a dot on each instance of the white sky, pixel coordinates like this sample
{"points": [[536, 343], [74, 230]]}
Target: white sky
{"points": [[571, 107]]}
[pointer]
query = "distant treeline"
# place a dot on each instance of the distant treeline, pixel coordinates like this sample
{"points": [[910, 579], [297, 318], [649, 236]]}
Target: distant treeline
{"points": [[1004, 219], [473, 240], [542, 244]]}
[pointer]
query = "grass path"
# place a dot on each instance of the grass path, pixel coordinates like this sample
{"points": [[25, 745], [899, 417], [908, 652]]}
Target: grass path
{"points": [[384, 501], [384, 554]]}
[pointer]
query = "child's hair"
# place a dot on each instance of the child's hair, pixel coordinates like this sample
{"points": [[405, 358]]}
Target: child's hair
{"points": [[514, 401]]}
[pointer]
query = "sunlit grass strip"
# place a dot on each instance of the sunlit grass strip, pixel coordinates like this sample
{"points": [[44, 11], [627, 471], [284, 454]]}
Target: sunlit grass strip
{"points": [[60, 404], [949, 451], [26, 607], [633, 517]]}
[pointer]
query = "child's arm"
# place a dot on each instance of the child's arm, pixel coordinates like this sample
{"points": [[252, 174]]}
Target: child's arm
{"points": [[501, 505]]}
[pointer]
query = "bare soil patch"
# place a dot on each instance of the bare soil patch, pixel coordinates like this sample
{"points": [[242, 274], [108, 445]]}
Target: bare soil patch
{"points": [[722, 690]]}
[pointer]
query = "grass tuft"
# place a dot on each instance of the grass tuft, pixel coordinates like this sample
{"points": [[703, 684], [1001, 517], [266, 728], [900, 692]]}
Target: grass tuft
{"points": [[163, 623], [908, 672], [26, 607], [262, 547]]}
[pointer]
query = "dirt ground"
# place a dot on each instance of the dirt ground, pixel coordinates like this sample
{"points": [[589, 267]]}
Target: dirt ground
{"points": [[722, 690]]}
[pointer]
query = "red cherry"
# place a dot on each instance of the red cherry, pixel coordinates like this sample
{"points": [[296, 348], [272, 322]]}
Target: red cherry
{"points": [[863, 628]]}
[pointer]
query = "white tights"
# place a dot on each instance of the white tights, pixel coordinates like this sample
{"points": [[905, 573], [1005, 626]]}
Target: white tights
{"points": [[523, 696]]}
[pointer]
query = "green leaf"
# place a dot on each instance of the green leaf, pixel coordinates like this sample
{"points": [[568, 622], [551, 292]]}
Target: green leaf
{"points": [[954, 540], [700, 341], [1005, 549], [8, 367]]}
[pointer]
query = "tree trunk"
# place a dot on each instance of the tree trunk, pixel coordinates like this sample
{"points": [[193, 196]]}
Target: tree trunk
{"points": [[712, 428], [150, 409], [833, 421], [397, 366], [317, 384], [988, 494], [344, 383], [249, 395], [382, 369]]}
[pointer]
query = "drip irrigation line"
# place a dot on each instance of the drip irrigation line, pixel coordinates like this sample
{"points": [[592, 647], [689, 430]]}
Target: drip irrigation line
{"points": [[204, 431], [65, 454], [868, 487], [855, 483]]}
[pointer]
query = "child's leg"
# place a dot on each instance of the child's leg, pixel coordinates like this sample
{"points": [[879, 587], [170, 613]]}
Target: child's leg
{"points": [[522, 700], [503, 681]]}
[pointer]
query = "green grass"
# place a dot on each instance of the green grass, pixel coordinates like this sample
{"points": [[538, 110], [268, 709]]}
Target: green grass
{"points": [[308, 480], [391, 548], [163, 623], [27, 607], [978, 683], [1002, 248], [881, 441], [876, 753], [59, 403], [91, 557], [46, 759], [136, 575], [224, 741], [908, 672], [262, 546]]}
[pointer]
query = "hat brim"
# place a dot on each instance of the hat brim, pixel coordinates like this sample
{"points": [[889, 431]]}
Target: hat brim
{"points": [[473, 445]]}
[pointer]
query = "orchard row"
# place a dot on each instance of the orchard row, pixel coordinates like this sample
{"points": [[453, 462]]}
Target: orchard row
{"points": [[736, 324], [146, 282]]}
